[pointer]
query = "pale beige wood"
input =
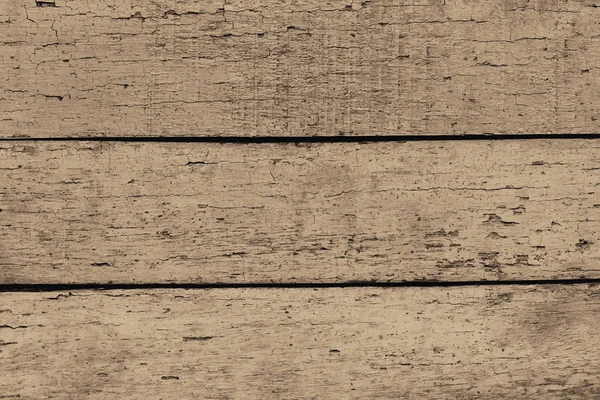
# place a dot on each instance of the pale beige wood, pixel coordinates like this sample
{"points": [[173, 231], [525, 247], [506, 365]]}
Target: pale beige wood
{"points": [[507, 342], [94, 212], [299, 68]]}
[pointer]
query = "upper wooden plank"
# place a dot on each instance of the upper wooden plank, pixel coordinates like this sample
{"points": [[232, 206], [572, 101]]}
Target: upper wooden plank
{"points": [[298, 68], [93, 212], [462, 343]]}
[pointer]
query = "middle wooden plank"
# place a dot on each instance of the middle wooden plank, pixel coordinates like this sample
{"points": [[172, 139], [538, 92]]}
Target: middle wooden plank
{"points": [[93, 212]]}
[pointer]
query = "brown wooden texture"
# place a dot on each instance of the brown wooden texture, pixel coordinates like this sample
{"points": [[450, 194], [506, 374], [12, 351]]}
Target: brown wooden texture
{"points": [[526, 342], [98, 213], [89, 212], [297, 68]]}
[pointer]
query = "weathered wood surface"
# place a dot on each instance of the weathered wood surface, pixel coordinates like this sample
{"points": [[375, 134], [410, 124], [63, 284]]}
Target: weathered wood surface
{"points": [[311, 67], [95, 212], [526, 342]]}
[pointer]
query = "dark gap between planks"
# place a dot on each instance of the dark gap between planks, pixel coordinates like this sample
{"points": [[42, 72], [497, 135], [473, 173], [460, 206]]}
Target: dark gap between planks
{"points": [[148, 286], [313, 139]]}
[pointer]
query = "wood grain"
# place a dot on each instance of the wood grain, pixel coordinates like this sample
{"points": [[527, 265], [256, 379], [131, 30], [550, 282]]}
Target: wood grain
{"points": [[365, 343], [96, 212], [299, 68]]}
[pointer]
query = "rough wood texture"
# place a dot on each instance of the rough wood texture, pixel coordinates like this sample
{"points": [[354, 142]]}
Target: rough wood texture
{"points": [[82, 212], [404, 343], [311, 67]]}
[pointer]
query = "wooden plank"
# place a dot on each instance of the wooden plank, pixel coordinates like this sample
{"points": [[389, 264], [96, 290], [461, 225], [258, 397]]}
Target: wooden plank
{"points": [[300, 68], [97, 212], [364, 343]]}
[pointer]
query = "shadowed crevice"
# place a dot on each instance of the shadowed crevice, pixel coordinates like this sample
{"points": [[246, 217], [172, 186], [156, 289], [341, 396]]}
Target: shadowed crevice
{"points": [[315, 139], [316, 285]]}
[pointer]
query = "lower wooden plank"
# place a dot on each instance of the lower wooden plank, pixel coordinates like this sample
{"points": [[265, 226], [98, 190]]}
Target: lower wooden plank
{"points": [[84, 212], [495, 342]]}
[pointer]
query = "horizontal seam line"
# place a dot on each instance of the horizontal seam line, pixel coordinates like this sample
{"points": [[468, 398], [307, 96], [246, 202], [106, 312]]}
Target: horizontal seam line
{"points": [[310, 139], [350, 284]]}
